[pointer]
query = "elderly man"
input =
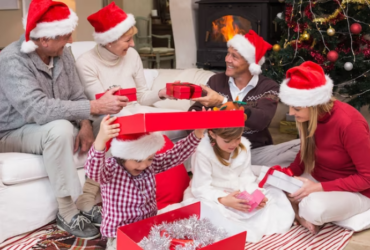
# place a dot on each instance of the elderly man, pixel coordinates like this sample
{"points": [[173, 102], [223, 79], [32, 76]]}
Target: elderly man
{"points": [[43, 108], [242, 80]]}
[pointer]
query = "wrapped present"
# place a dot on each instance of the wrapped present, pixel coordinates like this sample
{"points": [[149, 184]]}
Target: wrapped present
{"points": [[129, 93], [279, 177], [253, 199], [183, 90], [152, 122], [130, 235]]}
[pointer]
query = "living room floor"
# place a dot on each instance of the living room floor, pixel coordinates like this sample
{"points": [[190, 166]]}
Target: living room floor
{"points": [[359, 241]]}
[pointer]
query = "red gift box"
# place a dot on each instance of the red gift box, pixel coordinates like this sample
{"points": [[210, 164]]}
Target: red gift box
{"points": [[183, 90], [129, 93], [152, 122], [128, 236]]}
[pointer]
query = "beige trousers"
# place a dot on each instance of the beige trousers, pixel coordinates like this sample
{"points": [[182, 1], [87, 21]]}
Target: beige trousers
{"points": [[111, 244], [54, 141], [322, 207]]}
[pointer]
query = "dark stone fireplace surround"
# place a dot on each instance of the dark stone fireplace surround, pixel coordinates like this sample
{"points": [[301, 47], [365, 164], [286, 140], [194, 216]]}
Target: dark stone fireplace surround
{"points": [[260, 13]]}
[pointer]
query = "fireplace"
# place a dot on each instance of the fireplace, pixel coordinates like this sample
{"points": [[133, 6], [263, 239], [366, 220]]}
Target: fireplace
{"points": [[220, 20]]}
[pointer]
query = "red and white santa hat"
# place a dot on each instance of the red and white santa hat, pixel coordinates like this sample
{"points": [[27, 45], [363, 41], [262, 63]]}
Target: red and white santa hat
{"points": [[110, 23], [253, 48], [306, 86], [47, 18], [136, 146]]}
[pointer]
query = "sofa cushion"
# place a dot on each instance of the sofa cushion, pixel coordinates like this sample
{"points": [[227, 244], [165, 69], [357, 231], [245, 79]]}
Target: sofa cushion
{"points": [[172, 183], [20, 167]]}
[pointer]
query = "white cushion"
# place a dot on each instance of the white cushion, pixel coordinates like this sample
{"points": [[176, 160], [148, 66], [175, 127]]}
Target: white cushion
{"points": [[356, 223], [78, 48], [150, 75], [20, 167]]}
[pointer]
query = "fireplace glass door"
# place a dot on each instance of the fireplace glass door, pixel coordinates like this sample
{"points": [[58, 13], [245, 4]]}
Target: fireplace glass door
{"points": [[226, 27]]}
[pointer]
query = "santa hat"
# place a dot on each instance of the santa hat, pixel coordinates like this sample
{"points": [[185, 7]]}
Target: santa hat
{"points": [[305, 86], [110, 23], [253, 48], [47, 18], [136, 146]]}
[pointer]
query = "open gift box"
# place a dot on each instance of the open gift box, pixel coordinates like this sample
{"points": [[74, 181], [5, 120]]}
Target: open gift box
{"points": [[129, 93], [130, 235], [151, 122], [280, 180], [183, 90]]}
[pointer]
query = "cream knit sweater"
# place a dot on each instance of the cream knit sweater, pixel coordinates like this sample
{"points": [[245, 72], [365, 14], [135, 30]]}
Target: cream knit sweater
{"points": [[99, 68]]}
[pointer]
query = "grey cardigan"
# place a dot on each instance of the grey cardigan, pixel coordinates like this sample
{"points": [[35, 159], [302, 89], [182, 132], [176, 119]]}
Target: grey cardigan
{"points": [[29, 94]]}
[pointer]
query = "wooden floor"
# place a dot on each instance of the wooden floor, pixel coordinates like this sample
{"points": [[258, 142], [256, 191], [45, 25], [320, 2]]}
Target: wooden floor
{"points": [[359, 241]]}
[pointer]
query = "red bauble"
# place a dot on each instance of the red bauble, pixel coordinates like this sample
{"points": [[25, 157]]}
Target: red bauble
{"points": [[356, 28], [332, 56]]}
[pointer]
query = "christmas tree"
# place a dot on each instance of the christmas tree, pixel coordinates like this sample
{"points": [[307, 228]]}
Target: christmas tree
{"points": [[333, 33]]}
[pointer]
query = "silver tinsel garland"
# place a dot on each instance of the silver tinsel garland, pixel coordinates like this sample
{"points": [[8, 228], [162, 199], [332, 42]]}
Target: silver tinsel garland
{"points": [[201, 231]]}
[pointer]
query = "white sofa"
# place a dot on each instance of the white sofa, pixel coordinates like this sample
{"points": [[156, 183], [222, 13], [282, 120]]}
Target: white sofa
{"points": [[26, 199]]}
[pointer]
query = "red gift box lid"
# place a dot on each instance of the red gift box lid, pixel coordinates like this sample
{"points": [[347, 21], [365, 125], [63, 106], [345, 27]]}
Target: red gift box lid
{"points": [[128, 236], [152, 122], [185, 88]]}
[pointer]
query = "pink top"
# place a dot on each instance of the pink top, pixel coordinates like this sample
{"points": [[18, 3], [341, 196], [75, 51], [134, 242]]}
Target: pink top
{"points": [[342, 154], [127, 199]]}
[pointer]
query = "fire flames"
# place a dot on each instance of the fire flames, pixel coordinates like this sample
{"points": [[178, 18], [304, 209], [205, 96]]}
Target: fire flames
{"points": [[226, 28]]}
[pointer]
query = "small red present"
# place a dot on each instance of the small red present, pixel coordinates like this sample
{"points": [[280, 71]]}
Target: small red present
{"points": [[183, 90], [129, 93], [152, 122], [130, 235]]}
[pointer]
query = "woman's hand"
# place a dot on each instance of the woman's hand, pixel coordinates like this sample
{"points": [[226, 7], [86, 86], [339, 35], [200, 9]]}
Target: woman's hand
{"points": [[233, 202], [307, 188], [107, 131], [262, 204], [199, 133]]}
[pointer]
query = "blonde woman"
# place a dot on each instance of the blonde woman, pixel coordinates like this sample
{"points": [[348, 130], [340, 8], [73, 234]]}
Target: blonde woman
{"points": [[114, 61], [335, 148]]}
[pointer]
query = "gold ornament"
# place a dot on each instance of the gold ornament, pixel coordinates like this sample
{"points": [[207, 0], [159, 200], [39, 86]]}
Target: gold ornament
{"points": [[305, 36], [330, 31], [276, 47]]}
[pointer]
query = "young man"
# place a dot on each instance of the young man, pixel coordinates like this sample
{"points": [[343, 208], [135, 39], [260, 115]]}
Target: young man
{"points": [[242, 80], [43, 109]]}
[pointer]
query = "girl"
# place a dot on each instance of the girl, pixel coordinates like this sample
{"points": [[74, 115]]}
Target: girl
{"points": [[128, 178], [335, 147], [221, 169]]}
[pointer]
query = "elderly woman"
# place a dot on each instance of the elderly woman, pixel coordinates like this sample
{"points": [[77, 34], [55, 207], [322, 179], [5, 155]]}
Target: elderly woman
{"points": [[113, 61], [335, 144]]}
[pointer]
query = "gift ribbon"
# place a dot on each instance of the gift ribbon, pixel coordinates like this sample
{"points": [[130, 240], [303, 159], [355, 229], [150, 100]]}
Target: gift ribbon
{"points": [[176, 242], [190, 85], [286, 171]]}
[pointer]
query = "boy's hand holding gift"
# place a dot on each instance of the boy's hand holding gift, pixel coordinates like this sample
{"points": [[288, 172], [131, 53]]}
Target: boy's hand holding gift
{"points": [[107, 131]]}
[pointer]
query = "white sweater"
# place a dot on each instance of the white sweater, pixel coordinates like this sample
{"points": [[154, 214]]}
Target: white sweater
{"points": [[98, 73]]}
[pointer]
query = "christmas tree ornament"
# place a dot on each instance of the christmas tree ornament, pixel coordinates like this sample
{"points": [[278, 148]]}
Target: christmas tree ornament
{"points": [[330, 31], [332, 56], [348, 66], [356, 28], [305, 36], [276, 47]]}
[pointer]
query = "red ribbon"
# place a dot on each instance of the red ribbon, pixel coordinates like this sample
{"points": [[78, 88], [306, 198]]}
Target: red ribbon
{"points": [[286, 171], [176, 242]]}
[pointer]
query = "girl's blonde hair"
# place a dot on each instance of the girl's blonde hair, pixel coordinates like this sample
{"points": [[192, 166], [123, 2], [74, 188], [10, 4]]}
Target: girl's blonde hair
{"points": [[227, 134], [307, 132]]}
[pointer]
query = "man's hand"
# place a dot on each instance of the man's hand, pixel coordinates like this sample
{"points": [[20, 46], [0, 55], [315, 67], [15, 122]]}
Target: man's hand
{"points": [[85, 138], [233, 202], [108, 103], [307, 188], [212, 99]]}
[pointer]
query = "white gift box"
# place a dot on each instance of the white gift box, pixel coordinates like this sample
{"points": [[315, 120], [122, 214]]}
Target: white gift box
{"points": [[281, 180]]}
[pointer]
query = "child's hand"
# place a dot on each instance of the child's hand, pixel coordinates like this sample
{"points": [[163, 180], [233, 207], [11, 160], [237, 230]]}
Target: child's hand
{"points": [[263, 203], [107, 131], [231, 201], [199, 133]]}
